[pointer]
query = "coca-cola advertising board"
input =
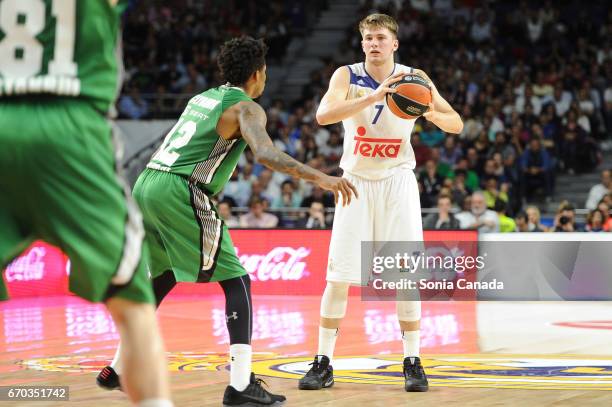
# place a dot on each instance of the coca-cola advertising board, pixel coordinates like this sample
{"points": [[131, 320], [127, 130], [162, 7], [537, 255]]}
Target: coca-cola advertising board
{"points": [[279, 262]]}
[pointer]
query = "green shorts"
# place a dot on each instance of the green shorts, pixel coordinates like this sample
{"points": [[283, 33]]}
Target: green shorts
{"points": [[184, 232], [58, 183]]}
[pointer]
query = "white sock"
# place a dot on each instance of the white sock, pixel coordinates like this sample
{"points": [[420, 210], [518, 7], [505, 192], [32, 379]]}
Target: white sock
{"points": [[155, 403], [411, 342], [116, 363], [327, 342], [240, 366]]}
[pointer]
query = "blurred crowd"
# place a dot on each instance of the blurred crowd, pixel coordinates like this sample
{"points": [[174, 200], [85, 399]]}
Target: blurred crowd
{"points": [[170, 48], [532, 82]]}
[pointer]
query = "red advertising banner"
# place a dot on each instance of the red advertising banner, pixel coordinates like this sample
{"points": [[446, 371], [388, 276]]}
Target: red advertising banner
{"points": [[279, 262]]}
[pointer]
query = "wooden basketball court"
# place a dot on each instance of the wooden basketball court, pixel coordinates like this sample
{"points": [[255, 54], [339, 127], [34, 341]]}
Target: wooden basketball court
{"points": [[477, 354]]}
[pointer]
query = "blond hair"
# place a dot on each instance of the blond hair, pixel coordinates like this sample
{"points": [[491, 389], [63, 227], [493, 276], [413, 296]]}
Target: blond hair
{"points": [[377, 20]]}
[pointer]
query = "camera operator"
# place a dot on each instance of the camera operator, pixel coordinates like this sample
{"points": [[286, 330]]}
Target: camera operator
{"points": [[565, 220]]}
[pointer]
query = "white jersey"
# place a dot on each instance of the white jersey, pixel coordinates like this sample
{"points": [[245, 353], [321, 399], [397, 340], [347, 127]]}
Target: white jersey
{"points": [[376, 142]]}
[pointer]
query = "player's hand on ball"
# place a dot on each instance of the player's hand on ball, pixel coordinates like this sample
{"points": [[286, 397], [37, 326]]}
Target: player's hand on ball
{"points": [[385, 87], [338, 186], [431, 114]]}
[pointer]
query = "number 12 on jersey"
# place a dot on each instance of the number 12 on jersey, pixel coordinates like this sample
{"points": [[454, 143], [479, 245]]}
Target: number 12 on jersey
{"points": [[178, 137], [379, 109]]}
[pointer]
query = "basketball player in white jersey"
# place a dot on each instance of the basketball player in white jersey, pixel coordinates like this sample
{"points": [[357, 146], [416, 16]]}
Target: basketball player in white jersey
{"points": [[378, 159]]}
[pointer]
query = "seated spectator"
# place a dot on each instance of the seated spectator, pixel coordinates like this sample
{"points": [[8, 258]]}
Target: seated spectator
{"points": [[257, 217], [458, 189], [431, 136], [464, 210], [450, 152], [492, 193], [599, 190], [472, 182], [422, 153], [315, 218], [288, 198], [132, 106], [533, 216], [225, 212], [506, 223], [565, 220], [432, 182], [332, 150], [479, 217], [444, 219], [237, 189], [535, 167], [595, 221], [521, 220], [317, 194], [605, 210]]}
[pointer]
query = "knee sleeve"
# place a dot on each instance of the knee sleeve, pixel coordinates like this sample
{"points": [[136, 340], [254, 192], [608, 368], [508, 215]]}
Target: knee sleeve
{"points": [[162, 285], [238, 309], [408, 310], [335, 298]]}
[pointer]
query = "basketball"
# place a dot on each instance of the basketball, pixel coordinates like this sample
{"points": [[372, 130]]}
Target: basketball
{"points": [[412, 98]]}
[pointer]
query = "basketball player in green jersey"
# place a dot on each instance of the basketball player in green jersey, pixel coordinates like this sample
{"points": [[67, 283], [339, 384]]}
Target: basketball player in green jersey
{"points": [[58, 179], [187, 238]]}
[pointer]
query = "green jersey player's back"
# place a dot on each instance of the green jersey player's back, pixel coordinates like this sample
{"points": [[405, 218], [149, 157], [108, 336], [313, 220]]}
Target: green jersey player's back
{"points": [[194, 149], [67, 48]]}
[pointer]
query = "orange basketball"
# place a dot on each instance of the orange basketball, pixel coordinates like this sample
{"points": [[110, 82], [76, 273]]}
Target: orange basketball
{"points": [[412, 98]]}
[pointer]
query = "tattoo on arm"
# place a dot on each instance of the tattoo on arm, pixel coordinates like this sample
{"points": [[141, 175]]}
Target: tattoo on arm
{"points": [[252, 119]]}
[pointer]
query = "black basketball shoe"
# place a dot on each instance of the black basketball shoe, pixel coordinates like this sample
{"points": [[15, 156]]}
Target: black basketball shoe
{"points": [[253, 396], [320, 375], [414, 375], [108, 379]]}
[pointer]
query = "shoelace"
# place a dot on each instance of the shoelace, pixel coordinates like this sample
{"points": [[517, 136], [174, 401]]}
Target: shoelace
{"points": [[316, 368]]}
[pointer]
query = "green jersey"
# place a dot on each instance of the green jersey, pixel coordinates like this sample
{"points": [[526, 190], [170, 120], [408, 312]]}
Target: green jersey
{"points": [[67, 48], [194, 149]]}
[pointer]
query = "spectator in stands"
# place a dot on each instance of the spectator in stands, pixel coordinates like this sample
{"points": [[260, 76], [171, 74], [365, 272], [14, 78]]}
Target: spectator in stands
{"points": [[132, 106], [317, 194], [481, 218], [238, 189], [598, 191], [288, 198], [431, 136], [492, 193], [332, 150], [565, 220], [595, 221], [533, 215], [465, 210], [450, 152], [521, 221], [432, 182], [225, 212], [422, 152], [315, 218], [481, 28], [607, 218], [257, 217], [506, 223], [443, 219], [535, 167]]}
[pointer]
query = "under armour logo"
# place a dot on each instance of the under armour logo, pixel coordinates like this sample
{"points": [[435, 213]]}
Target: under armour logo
{"points": [[233, 316], [360, 82]]}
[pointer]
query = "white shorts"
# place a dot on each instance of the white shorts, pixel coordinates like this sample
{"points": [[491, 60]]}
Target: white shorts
{"points": [[386, 210]]}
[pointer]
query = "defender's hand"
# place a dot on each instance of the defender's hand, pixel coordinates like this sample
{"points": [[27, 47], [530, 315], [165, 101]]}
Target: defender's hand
{"points": [[339, 185]]}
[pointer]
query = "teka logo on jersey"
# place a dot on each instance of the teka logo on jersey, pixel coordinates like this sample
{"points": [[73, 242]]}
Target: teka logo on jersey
{"points": [[281, 263], [376, 147]]}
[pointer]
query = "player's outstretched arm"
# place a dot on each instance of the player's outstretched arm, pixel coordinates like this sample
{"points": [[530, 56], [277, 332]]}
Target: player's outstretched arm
{"points": [[334, 107], [252, 121], [440, 111]]}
